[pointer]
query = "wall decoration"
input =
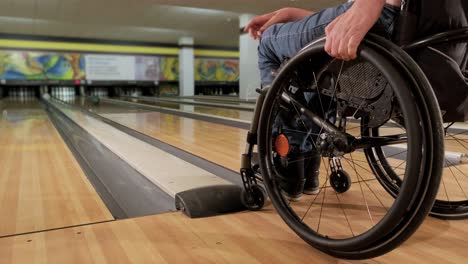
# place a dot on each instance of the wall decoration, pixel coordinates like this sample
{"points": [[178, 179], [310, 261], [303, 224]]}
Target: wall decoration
{"points": [[169, 67], [26, 65], [219, 70]]}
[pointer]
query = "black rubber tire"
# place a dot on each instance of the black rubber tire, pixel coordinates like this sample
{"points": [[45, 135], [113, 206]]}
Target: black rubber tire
{"points": [[449, 208], [420, 186], [340, 181], [256, 200], [443, 209]]}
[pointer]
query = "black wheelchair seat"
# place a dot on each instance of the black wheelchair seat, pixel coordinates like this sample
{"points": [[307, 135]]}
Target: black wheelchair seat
{"points": [[448, 82], [443, 64]]}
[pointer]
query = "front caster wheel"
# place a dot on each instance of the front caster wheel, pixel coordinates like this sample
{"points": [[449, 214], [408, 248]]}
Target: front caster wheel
{"points": [[340, 181], [255, 199]]}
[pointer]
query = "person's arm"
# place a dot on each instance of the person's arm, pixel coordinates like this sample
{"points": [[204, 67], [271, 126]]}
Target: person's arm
{"points": [[347, 31], [259, 24]]}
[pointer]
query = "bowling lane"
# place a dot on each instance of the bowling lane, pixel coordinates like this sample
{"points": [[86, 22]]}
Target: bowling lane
{"points": [[218, 143], [214, 101], [217, 98], [102, 107], [197, 109], [41, 184], [229, 105]]}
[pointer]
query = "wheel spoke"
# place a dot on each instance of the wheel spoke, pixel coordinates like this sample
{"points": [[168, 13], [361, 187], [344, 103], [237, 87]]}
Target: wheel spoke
{"points": [[321, 208], [303, 123], [445, 189], [362, 191], [336, 86], [290, 161], [345, 215], [318, 92], [316, 196], [456, 179], [463, 132], [465, 147], [365, 181], [298, 131]]}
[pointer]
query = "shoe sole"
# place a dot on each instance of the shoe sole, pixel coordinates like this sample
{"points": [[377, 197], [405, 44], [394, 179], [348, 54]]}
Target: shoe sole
{"points": [[291, 198], [311, 192]]}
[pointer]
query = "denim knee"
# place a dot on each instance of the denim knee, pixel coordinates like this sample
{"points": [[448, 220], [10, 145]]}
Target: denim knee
{"points": [[265, 48], [268, 60]]}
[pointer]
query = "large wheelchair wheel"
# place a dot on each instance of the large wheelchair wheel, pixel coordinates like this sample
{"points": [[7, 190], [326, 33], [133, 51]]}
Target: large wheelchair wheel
{"points": [[452, 198], [334, 103]]}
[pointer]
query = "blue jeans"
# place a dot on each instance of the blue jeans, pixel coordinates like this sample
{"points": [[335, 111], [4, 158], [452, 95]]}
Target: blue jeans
{"points": [[282, 41]]}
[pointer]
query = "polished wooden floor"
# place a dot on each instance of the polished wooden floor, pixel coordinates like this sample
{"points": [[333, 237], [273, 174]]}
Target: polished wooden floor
{"points": [[41, 184], [218, 143], [245, 237], [216, 111]]}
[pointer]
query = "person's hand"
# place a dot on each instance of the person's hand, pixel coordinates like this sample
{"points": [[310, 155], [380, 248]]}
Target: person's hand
{"points": [[259, 24], [346, 32]]}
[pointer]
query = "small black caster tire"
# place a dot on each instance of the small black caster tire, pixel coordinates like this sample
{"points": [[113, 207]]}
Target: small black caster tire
{"points": [[340, 181], [256, 200]]}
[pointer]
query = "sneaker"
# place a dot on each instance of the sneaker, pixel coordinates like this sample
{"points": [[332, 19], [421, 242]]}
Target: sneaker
{"points": [[292, 183], [312, 184], [291, 197]]}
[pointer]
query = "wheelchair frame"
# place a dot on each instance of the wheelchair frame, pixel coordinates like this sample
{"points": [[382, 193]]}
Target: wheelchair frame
{"points": [[254, 195]]}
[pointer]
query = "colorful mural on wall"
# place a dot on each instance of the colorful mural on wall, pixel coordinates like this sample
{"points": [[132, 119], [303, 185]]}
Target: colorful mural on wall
{"points": [[25, 65], [169, 67], [219, 70], [31, 65]]}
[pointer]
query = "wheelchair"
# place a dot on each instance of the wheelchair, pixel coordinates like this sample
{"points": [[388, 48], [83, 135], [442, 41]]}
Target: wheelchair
{"points": [[384, 142]]}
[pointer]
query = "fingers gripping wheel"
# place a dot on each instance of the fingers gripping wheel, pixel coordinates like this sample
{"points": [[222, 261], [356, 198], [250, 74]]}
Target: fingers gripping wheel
{"points": [[372, 221], [254, 199]]}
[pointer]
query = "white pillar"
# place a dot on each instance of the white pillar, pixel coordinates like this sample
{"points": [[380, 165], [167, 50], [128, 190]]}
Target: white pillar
{"points": [[249, 74], [186, 67]]}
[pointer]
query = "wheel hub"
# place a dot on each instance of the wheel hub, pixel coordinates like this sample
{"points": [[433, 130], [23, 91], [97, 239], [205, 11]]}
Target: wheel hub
{"points": [[332, 145]]}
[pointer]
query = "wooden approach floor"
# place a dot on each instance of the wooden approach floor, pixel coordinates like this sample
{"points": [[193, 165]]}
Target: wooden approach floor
{"points": [[246, 237], [41, 184]]}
